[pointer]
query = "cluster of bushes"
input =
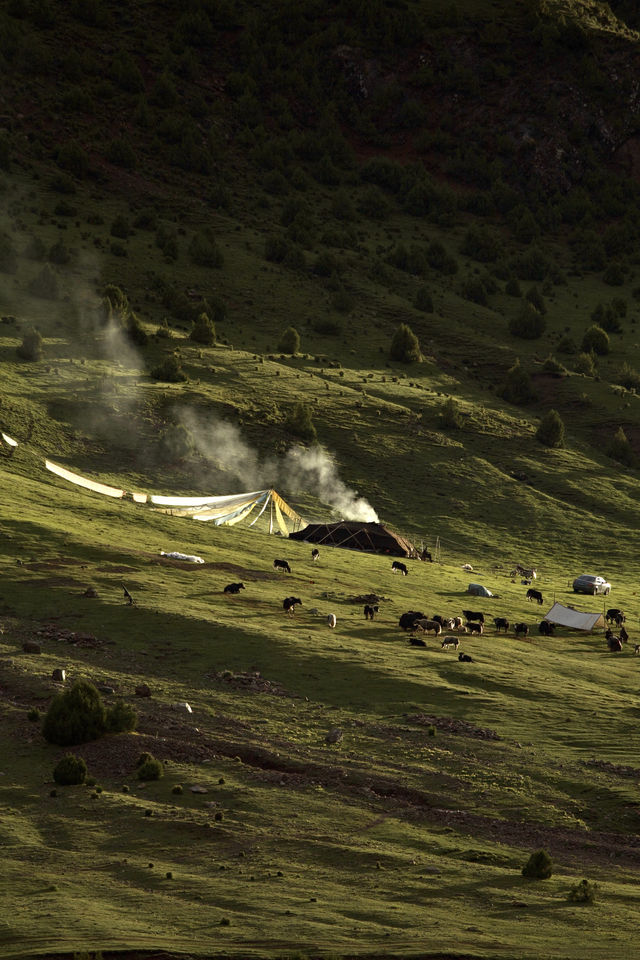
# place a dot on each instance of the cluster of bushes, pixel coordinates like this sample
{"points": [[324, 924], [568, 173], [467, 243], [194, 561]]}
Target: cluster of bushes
{"points": [[79, 715]]}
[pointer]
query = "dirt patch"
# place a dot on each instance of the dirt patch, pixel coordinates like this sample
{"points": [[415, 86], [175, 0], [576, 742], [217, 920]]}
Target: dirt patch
{"points": [[45, 582], [619, 770], [451, 725], [251, 681], [60, 635]]}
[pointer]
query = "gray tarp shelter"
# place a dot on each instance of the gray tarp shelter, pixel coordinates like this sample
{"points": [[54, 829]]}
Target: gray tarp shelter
{"points": [[574, 619], [478, 590]]}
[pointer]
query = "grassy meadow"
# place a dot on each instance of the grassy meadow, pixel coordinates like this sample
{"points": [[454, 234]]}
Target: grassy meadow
{"points": [[342, 170]]}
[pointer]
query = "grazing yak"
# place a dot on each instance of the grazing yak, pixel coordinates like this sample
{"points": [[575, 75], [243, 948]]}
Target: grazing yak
{"points": [[331, 620], [521, 629], [289, 604], [408, 619], [472, 615], [233, 588], [624, 636], [428, 625], [501, 623], [465, 658], [546, 629], [315, 553], [416, 642], [474, 627], [615, 616], [370, 611], [614, 644], [282, 565], [397, 567], [535, 595], [450, 642]]}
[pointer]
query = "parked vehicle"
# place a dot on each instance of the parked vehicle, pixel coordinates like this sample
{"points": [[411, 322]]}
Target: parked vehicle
{"points": [[588, 583]]}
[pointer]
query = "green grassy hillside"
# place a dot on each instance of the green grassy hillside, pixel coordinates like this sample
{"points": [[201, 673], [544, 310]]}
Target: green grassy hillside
{"points": [[342, 169]]}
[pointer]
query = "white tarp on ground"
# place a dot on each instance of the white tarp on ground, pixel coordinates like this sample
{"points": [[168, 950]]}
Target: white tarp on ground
{"points": [[575, 619], [83, 481]]}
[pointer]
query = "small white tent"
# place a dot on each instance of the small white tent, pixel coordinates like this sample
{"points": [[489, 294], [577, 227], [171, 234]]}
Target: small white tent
{"points": [[574, 619]]}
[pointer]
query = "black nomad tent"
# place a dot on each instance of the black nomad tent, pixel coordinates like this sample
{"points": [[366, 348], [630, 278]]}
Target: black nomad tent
{"points": [[371, 537]]}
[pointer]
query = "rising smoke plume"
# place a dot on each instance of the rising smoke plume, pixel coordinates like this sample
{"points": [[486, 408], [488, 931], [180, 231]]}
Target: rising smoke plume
{"points": [[302, 470]]}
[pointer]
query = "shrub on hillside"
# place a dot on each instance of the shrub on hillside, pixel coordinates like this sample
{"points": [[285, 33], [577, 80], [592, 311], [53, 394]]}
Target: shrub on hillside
{"points": [[512, 287], [550, 432], [517, 387], [121, 718], [450, 416], [531, 265], [474, 290], [596, 340], [70, 770], [75, 716], [149, 768], [31, 347], [586, 364], [203, 331], [169, 371], [300, 423], [620, 449], [373, 204], [567, 346], [440, 259], [120, 152], [629, 377], [553, 367], [536, 299], [204, 251], [481, 245], [527, 323], [289, 341], [539, 866], [405, 346], [583, 892]]}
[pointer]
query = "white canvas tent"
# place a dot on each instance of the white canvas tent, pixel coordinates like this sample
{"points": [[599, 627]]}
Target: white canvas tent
{"points": [[219, 510], [574, 619]]}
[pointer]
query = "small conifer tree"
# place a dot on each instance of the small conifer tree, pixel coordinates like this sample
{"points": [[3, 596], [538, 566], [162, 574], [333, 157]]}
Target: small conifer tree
{"points": [[596, 340], [551, 430], [301, 424], [404, 345], [289, 341], [31, 346], [620, 449], [203, 331], [517, 386]]}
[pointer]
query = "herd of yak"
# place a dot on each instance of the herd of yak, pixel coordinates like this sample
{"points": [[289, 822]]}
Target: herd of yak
{"points": [[472, 622]]}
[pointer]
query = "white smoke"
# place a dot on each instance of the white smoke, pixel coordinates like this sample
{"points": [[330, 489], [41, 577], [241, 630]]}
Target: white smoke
{"points": [[221, 444], [301, 471], [313, 470]]}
